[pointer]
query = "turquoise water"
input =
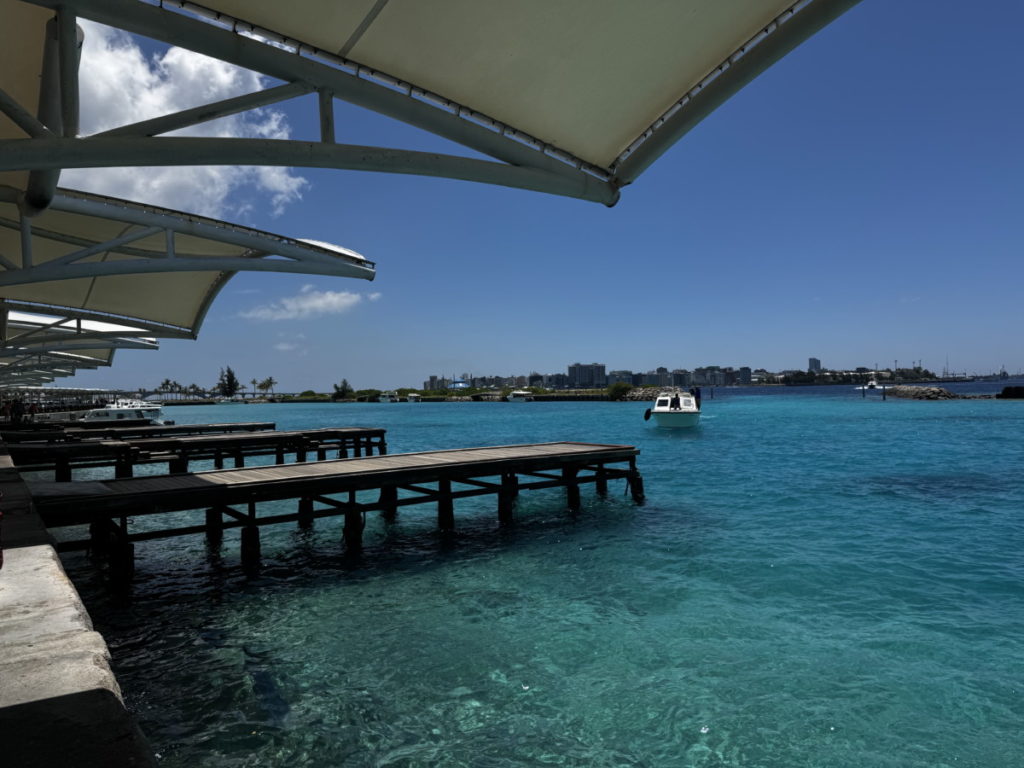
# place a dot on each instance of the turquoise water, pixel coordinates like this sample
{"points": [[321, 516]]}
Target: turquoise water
{"points": [[816, 579]]}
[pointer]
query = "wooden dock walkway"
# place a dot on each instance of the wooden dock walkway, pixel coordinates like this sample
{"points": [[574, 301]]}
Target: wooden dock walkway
{"points": [[72, 433], [106, 506], [125, 453]]}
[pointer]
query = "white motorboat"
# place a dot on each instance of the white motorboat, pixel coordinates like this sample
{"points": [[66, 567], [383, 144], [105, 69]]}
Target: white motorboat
{"points": [[387, 397], [413, 397], [674, 409], [519, 396], [872, 384], [120, 412]]}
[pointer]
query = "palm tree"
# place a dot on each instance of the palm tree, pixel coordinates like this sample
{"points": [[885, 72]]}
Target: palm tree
{"points": [[268, 383], [255, 386]]}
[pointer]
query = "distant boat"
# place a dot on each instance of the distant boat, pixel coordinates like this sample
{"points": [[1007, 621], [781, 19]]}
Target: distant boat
{"points": [[387, 397], [519, 396], [412, 397], [872, 384], [678, 410]]}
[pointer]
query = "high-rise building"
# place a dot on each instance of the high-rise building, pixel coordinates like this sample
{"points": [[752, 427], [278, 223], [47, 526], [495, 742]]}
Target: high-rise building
{"points": [[590, 376], [814, 365]]}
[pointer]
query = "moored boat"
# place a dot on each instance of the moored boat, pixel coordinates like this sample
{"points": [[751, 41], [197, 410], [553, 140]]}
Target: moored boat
{"points": [[121, 412], [519, 396]]}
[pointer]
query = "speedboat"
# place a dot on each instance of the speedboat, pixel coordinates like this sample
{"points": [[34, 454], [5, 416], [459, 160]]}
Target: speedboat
{"points": [[519, 396], [674, 409], [413, 397], [872, 384], [387, 397]]}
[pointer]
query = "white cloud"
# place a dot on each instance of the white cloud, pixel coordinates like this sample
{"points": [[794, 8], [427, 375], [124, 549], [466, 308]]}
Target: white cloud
{"points": [[308, 303], [124, 87]]}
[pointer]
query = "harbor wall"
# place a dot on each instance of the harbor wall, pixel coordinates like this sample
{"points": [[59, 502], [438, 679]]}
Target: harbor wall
{"points": [[59, 701]]}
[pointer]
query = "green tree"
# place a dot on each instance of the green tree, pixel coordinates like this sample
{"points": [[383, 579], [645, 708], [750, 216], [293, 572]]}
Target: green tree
{"points": [[619, 390], [342, 391], [228, 384], [268, 384], [255, 386]]}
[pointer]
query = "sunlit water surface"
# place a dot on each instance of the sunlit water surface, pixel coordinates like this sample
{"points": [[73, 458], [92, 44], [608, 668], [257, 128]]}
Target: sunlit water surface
{"points": [[816, 579]]}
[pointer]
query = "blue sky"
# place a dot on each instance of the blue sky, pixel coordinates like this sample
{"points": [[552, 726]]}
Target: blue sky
{"points": [[859, 202]]}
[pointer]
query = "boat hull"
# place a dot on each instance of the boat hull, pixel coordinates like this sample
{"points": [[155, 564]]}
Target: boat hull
{"points": [[676, 419]]}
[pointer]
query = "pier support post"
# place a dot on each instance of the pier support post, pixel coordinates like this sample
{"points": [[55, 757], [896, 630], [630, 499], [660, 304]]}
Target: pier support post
{"points": [[572, 488], [62, 470], [122, 559], [342, 450], [305, 513], [636, 483], [102, 535], [279, 454], [601, 484], [239, 460], [214, 527], [300, 453], [445, 506], [353, 531], [321, 452], [250, 545], [123, 466], [178, 465], [507, 498], [382, 447], [389, 502], [218, 459], [251, 539]]}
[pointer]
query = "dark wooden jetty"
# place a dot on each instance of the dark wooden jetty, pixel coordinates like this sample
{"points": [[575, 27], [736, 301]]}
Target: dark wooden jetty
{"points": [[177, 452], [56, 433], [230, 497]]}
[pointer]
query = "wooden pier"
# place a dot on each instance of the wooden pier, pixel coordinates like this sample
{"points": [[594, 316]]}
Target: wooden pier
{"points": [[59, 434], [178, 452], [231, 497]]}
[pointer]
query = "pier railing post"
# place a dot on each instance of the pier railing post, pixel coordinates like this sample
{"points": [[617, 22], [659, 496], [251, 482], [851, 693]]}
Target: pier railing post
{"points": [[601, 484]]}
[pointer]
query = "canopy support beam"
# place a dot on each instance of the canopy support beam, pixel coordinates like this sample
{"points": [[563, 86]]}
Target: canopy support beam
{"points": [[125, 151]]}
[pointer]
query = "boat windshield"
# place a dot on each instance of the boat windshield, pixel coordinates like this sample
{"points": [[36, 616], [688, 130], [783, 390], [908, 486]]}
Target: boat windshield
{"points": [[662, 403]]}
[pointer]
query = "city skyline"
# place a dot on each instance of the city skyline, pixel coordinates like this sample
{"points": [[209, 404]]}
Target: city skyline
{"points": [[835, 204]]}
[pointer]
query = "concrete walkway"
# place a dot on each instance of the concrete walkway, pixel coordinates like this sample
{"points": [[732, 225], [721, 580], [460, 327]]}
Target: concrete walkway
{"points": [[59, 702]]}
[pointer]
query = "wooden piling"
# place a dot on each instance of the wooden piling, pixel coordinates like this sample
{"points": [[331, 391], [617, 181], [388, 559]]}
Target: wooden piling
{"points": [[507, 498], [305, 513], [389, 503], [353, 531], [572, 488], [445, 506], [214, 527]]}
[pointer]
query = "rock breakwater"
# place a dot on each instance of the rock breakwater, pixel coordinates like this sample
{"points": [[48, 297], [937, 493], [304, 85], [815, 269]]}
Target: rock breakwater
{"points": [[927, 393]]}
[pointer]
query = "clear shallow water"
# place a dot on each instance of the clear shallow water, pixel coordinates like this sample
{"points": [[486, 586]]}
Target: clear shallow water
{"points": [[816, 579]]}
